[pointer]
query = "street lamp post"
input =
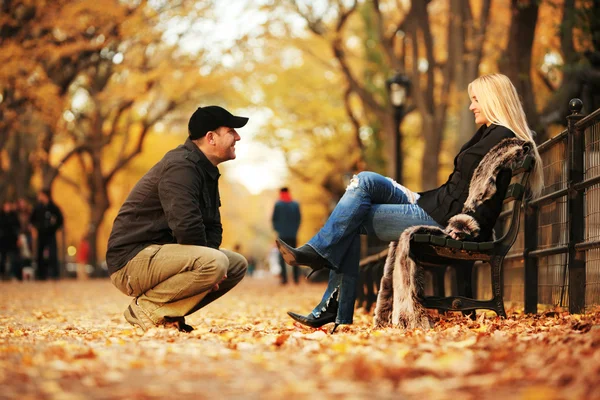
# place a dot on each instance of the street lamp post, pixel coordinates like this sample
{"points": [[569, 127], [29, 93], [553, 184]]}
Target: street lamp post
{"points": [[398, 88]]}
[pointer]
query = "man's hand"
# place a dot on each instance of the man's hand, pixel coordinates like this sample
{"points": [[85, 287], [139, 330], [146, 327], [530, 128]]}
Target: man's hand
{"points": [[216, 287]]}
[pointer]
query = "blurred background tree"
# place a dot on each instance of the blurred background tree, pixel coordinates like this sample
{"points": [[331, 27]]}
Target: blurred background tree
{"points": [[92, 94]]}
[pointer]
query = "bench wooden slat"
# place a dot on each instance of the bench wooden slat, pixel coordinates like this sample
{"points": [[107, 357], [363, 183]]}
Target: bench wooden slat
{"points": [[455, 244], [471, 246]]}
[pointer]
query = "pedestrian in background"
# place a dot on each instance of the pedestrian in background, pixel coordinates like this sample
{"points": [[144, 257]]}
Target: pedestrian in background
{"points": [[286, 221], [9, 233], [46, 219]]}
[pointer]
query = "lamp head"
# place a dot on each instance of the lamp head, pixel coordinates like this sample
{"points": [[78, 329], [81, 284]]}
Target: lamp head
{"points": [[398, 89]]}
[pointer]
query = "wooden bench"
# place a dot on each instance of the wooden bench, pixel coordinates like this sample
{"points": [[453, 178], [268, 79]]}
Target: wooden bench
{"points": [[435, 253]]}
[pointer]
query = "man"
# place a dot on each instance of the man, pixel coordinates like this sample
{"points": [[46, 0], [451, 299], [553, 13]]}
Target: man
{"points": [[9, 233], [164, 246], [46, 218], [286, 221]]}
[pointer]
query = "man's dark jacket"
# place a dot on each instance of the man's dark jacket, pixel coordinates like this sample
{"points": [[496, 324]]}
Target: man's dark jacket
{"points": [[47, 219], [446, 201], [286, 218], [177, 201], [9, 231]]}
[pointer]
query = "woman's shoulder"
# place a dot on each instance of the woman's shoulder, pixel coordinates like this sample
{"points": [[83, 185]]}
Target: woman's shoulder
{"points": [[493, 135], [501, 131]]}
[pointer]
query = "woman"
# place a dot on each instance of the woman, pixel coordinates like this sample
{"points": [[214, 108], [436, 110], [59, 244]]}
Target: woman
{"points": [[377, 205]]}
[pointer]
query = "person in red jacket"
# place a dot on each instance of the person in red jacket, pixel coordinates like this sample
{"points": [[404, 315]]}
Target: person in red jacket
{"points": [[286, 220]]}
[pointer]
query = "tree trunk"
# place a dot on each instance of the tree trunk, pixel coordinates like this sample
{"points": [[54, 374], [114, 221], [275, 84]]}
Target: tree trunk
{"points": [[18, 178], [390, 130], [466, 41], [516, 63], [431, 108], [431, 163], [98, 185], [461, 80], [579, 80], [96, 217]]}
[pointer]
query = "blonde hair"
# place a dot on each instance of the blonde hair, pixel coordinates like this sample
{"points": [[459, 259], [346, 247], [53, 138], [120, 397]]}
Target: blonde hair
{"points": [[500, 105]]}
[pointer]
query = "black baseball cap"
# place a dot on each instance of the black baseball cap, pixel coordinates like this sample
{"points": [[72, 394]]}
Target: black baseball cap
{"points": [[209, 118]]}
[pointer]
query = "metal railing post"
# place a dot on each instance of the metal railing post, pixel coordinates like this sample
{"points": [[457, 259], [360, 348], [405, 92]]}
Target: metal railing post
{"points": [[531, 263], [575, 206]]}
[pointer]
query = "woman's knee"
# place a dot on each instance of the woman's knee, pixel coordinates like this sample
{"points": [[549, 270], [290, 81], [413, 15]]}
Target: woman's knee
{"points": [[364, 179]]}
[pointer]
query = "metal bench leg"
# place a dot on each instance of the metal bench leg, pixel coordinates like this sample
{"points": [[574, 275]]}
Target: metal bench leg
{"points": [[496, 267], [464, 278], [370, 283], [438, 277], [361, 297]]}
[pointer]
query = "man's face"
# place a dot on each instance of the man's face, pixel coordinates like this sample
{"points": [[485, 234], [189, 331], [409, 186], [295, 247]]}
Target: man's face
{"points": [[224, 139], [42, 198]]}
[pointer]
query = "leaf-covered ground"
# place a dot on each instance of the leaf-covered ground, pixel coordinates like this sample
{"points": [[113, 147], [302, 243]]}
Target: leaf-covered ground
{"points": [[69, 340]]}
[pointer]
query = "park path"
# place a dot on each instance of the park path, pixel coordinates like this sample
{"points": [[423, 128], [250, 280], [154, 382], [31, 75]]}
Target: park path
{"points": [[68, 340]]}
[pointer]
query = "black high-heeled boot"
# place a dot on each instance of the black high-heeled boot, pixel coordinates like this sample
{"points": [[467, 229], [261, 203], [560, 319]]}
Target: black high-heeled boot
{"points": [[303, 255], [328, 315]]}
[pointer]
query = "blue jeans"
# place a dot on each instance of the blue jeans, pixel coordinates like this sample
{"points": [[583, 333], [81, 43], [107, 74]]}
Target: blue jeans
{"points": [[372, 204]]}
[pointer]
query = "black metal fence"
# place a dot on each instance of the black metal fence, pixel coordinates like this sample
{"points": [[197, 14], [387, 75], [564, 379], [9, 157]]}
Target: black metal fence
{"points": [[561, 236], [556, 257]]}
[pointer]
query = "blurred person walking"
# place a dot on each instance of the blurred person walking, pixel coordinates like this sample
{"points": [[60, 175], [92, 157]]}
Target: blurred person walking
{"points": [[25, 241], [9, 233], [24, 210], [286, 220], [164, 246], [46, 219]]}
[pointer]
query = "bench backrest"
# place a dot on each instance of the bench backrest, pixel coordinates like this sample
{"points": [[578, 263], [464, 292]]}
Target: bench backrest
{"points": [[515, 194]]}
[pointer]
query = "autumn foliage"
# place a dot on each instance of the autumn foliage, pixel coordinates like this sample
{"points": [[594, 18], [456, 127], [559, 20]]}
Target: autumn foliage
{"points": [[92, 93], [69, 340]]}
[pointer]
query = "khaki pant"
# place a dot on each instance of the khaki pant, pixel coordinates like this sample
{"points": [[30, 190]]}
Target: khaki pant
{"points": [[174, 280]]}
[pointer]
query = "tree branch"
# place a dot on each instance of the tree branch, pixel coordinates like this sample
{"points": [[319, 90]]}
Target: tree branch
{"points": [[545, 80], [123, 161], [353, 119], [299, 173], [387, 42], [423, 21], [479, 35], [73, 184], [55, 170], [113, 129], [317, 27]]}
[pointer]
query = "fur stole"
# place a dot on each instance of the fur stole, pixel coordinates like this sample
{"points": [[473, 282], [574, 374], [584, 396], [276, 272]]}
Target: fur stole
{"points": [[401, 287]]}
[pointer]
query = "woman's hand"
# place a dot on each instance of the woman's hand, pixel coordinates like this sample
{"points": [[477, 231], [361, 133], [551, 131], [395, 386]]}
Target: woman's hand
{"points": [[455, 234], [462, 226]]}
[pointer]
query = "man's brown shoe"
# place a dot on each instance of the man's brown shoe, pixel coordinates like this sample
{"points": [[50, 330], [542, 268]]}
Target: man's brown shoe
{"points": [[137, 317]]}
